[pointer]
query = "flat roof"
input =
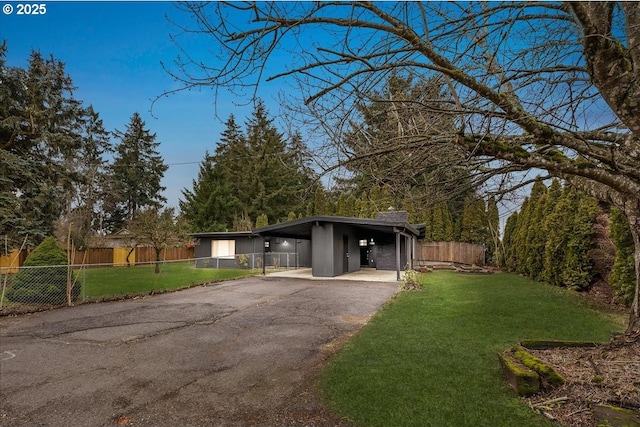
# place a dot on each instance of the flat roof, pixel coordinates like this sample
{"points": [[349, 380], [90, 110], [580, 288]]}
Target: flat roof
{"points": [[301, 228], [225, 234]]}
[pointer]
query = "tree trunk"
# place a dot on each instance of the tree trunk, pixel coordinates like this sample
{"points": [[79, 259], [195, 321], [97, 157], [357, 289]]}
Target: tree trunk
{"points": [[157, 269], [129, 254], [633, 331]]}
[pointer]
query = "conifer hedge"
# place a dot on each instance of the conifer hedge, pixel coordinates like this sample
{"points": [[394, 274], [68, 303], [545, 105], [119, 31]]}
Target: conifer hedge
{"points": [[550, 238]]}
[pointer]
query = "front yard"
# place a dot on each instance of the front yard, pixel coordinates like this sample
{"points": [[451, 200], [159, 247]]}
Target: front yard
{"points": [[429, 358]]}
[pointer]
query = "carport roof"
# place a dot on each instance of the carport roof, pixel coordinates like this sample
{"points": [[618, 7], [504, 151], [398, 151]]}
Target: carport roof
{"points": [[301, 228]]}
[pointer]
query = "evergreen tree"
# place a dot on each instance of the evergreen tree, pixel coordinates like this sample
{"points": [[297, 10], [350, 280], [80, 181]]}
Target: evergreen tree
{"points": [[508, 242], [531, 255], [242, 223], [473, 225], [492, 242], [577, 267], [38, 131], [275, 174], [262, 221], [433, 225], [376, 200], [31, 286], [320, 202], [623, 274], [559, 226], [538, 231], [362, 206], [136, 173], [350, 206], [393, 113], [83, 198], [341, 208], [520, 237], [211, 205]]}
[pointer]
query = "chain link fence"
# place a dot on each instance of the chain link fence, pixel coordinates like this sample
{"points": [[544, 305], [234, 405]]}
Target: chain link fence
{"points": [[30, 289]]}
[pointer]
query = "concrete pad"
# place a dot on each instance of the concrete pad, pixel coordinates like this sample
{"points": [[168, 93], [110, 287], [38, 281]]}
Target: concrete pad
{"points": [[362, 275]]}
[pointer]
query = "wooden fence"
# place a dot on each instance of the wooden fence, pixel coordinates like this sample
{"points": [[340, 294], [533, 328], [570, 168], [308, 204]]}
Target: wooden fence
{"points": [[464, 253], [115, 256]]}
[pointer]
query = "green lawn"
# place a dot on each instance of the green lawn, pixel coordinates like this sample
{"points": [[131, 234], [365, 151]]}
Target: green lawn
{"points": [[429, 358], [121, 281]]}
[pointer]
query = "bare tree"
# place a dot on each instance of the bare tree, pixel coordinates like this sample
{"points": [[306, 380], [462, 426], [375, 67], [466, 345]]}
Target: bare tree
{"points": [[533, 85], [158, 229]]}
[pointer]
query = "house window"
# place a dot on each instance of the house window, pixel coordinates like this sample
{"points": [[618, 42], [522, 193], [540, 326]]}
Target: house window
{"points": [[363, 242], [223, 248]]}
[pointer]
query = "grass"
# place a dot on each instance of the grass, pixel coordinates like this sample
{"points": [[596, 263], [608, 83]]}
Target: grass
{"points": [[141, 279], [429, 358]]}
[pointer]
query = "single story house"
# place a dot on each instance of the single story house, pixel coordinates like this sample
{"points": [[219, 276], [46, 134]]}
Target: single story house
{"points": [[248, 249], [330, 245]]}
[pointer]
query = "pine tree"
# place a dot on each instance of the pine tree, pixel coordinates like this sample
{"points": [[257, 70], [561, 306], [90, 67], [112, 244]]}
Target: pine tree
{"points": [[136, 173]]}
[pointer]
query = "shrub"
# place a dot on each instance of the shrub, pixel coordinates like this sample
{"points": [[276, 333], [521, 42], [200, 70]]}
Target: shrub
{"points": [[43, 285], [623, 274]]}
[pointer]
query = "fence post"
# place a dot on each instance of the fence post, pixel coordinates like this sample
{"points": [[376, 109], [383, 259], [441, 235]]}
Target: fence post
{"points": [[84, 283]]}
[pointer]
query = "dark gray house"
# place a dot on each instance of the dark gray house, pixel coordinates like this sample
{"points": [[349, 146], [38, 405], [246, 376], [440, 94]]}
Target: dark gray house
{"points": [[330, 245], [248, 249]]}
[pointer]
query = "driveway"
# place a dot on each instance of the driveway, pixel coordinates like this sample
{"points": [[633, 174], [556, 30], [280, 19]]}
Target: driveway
{"points": [[238, 353]]}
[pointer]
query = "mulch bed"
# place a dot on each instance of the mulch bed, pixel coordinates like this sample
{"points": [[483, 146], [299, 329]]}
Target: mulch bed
{"points": [[605, 374]]}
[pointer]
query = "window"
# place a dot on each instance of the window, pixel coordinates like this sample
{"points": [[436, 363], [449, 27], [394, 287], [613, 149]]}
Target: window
{"points": [[363, 242], [223, 248]]}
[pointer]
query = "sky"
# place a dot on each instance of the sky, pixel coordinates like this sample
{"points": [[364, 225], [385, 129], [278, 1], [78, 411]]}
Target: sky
{"points": [[113, 52]]}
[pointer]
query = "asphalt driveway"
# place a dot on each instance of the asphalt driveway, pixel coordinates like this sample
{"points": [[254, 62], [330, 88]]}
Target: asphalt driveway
{"points": [[238, 353]]}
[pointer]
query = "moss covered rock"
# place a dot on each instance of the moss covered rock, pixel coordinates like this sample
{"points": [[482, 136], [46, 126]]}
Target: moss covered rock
{"points": [[523, 380], [532, 362]]}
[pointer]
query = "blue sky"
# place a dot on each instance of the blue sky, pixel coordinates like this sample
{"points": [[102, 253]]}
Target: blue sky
{"points": [[112, 51]]}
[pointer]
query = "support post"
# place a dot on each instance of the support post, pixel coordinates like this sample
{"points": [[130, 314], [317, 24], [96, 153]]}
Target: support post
{"points": [[398, 256], [264, 256]]}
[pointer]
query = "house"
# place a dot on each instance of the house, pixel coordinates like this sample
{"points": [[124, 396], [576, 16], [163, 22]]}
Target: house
{"points": [[248, 249], [330, 245]]}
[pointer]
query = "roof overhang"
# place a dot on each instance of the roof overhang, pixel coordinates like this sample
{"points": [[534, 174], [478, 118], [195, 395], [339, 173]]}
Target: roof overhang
{"points": [[301, 228], [221, 235]]}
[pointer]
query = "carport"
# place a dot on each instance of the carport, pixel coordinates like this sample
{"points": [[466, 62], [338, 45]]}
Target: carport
{"points": [[341, 245]]}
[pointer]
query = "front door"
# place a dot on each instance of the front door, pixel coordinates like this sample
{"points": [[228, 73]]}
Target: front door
{"points": [[345, 259]]}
